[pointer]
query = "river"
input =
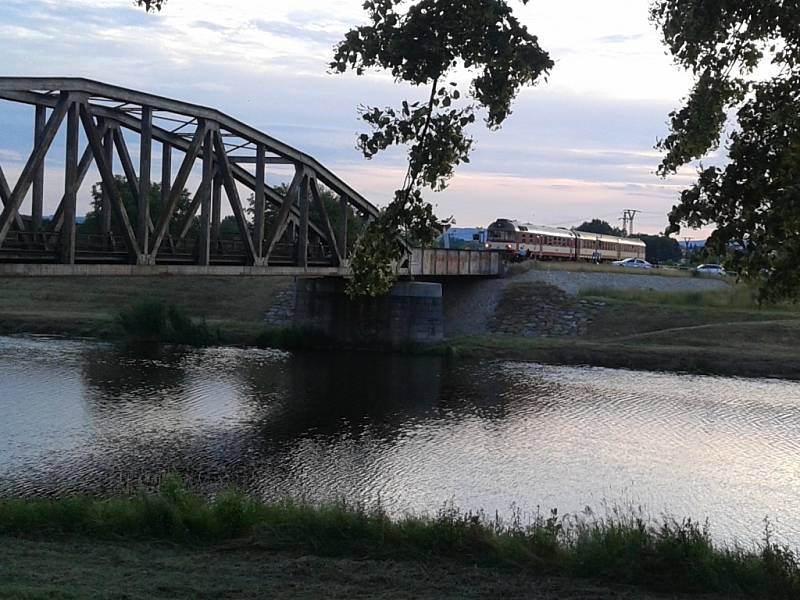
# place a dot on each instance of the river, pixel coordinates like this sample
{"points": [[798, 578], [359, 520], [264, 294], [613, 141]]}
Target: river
{"points": [[413, 433]]}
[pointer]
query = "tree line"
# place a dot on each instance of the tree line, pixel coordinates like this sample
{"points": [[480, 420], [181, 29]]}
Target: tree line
{"points": [[660, 248], [228, 228]]}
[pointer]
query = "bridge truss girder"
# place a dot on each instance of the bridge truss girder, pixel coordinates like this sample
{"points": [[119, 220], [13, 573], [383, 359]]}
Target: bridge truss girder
{"points": [[221, 144]]}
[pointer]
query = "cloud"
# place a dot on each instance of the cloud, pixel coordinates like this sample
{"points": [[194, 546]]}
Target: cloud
{"points": [[297, 31], [619, 38], [12, 156], [576, 147], [212, 26]]}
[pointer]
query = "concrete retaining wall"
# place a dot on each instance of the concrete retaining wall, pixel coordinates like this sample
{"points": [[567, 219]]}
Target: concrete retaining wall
{"points": [[412, 312]]}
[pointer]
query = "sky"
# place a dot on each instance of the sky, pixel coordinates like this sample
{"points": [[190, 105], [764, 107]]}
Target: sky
{"points": [[578, 146]]}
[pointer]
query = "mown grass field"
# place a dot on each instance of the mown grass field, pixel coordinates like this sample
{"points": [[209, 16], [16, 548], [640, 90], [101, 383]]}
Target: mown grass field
{"points": [[82, 569], [713, 319]]}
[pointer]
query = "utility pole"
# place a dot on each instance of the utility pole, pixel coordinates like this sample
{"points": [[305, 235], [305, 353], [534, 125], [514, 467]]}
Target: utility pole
{"points": [[686, 241], [627, 220]]}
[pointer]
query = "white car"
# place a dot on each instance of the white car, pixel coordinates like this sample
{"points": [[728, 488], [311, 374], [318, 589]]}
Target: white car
{"points": [[711, 269], [636, 263]]}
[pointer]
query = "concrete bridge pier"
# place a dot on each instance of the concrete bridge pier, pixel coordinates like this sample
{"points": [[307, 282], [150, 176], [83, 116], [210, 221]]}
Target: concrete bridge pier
{"points": [[411, 313]]}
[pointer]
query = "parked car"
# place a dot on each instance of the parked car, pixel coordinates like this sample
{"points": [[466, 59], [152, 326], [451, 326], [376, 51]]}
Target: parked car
{"points": [[711, 269], [636, 263]]}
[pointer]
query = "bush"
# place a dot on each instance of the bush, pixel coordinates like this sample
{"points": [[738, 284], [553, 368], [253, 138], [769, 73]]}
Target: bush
{"points": [[146, 321], [157, 322]]}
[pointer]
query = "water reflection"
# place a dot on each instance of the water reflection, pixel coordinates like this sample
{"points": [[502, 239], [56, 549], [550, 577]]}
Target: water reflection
{"points": [[410, 432]]}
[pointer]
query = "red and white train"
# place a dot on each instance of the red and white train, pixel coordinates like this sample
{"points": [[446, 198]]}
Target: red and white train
{"points": [[525, 240]]}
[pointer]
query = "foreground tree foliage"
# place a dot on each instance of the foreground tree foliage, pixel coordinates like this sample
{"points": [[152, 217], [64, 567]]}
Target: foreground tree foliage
{"points": [[745, 56], [432, 44], [151, 4]]}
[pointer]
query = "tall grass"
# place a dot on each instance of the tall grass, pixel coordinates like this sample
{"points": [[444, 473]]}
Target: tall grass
{"points": [[159, 322], [670, 556], [735, 297]]}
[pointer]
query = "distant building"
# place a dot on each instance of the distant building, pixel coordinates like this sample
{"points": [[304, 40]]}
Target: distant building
{"points": [[461, 237], [466, 234]]}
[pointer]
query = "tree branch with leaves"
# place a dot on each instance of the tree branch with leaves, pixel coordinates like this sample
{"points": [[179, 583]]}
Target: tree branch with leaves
{"points": [[745, 56], [432, 44], [151, 5]]}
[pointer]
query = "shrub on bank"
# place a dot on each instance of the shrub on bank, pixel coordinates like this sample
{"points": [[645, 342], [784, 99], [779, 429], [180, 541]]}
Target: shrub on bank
{"points": [[158, 322], [670, 556]]}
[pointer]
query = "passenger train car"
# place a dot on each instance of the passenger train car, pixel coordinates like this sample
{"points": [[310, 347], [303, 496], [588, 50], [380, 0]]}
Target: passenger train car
{"points": [[524, 240]]}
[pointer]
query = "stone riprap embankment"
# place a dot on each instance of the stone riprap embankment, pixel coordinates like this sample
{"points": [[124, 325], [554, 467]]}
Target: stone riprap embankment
{"points": [[532, 309]]}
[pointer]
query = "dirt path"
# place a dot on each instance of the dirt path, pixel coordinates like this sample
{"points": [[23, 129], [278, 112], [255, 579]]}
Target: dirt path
{"points": [[706, 327]]}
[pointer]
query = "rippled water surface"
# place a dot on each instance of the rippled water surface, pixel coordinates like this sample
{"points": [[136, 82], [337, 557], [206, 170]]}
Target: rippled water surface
{"points": [[410, 432]]}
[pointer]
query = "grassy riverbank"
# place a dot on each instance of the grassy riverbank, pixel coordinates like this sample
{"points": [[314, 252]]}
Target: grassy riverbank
{"points": [[764, 361], [720, 332], [180, 536], [723, 332], [232, 307]]}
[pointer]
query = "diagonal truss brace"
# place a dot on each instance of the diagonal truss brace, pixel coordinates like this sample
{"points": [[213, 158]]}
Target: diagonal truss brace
{"points": [[109, 183], [11, 210]]}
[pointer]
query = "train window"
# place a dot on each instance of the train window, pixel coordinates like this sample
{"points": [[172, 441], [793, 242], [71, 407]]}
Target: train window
{"points": [[501, 236]]}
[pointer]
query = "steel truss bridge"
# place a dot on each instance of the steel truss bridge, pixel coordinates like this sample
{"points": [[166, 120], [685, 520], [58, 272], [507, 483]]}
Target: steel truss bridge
{"points": [[229, 154]]}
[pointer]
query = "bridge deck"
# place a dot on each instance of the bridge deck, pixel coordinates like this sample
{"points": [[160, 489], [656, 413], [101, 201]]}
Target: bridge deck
{"points": [[423, 262]]}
